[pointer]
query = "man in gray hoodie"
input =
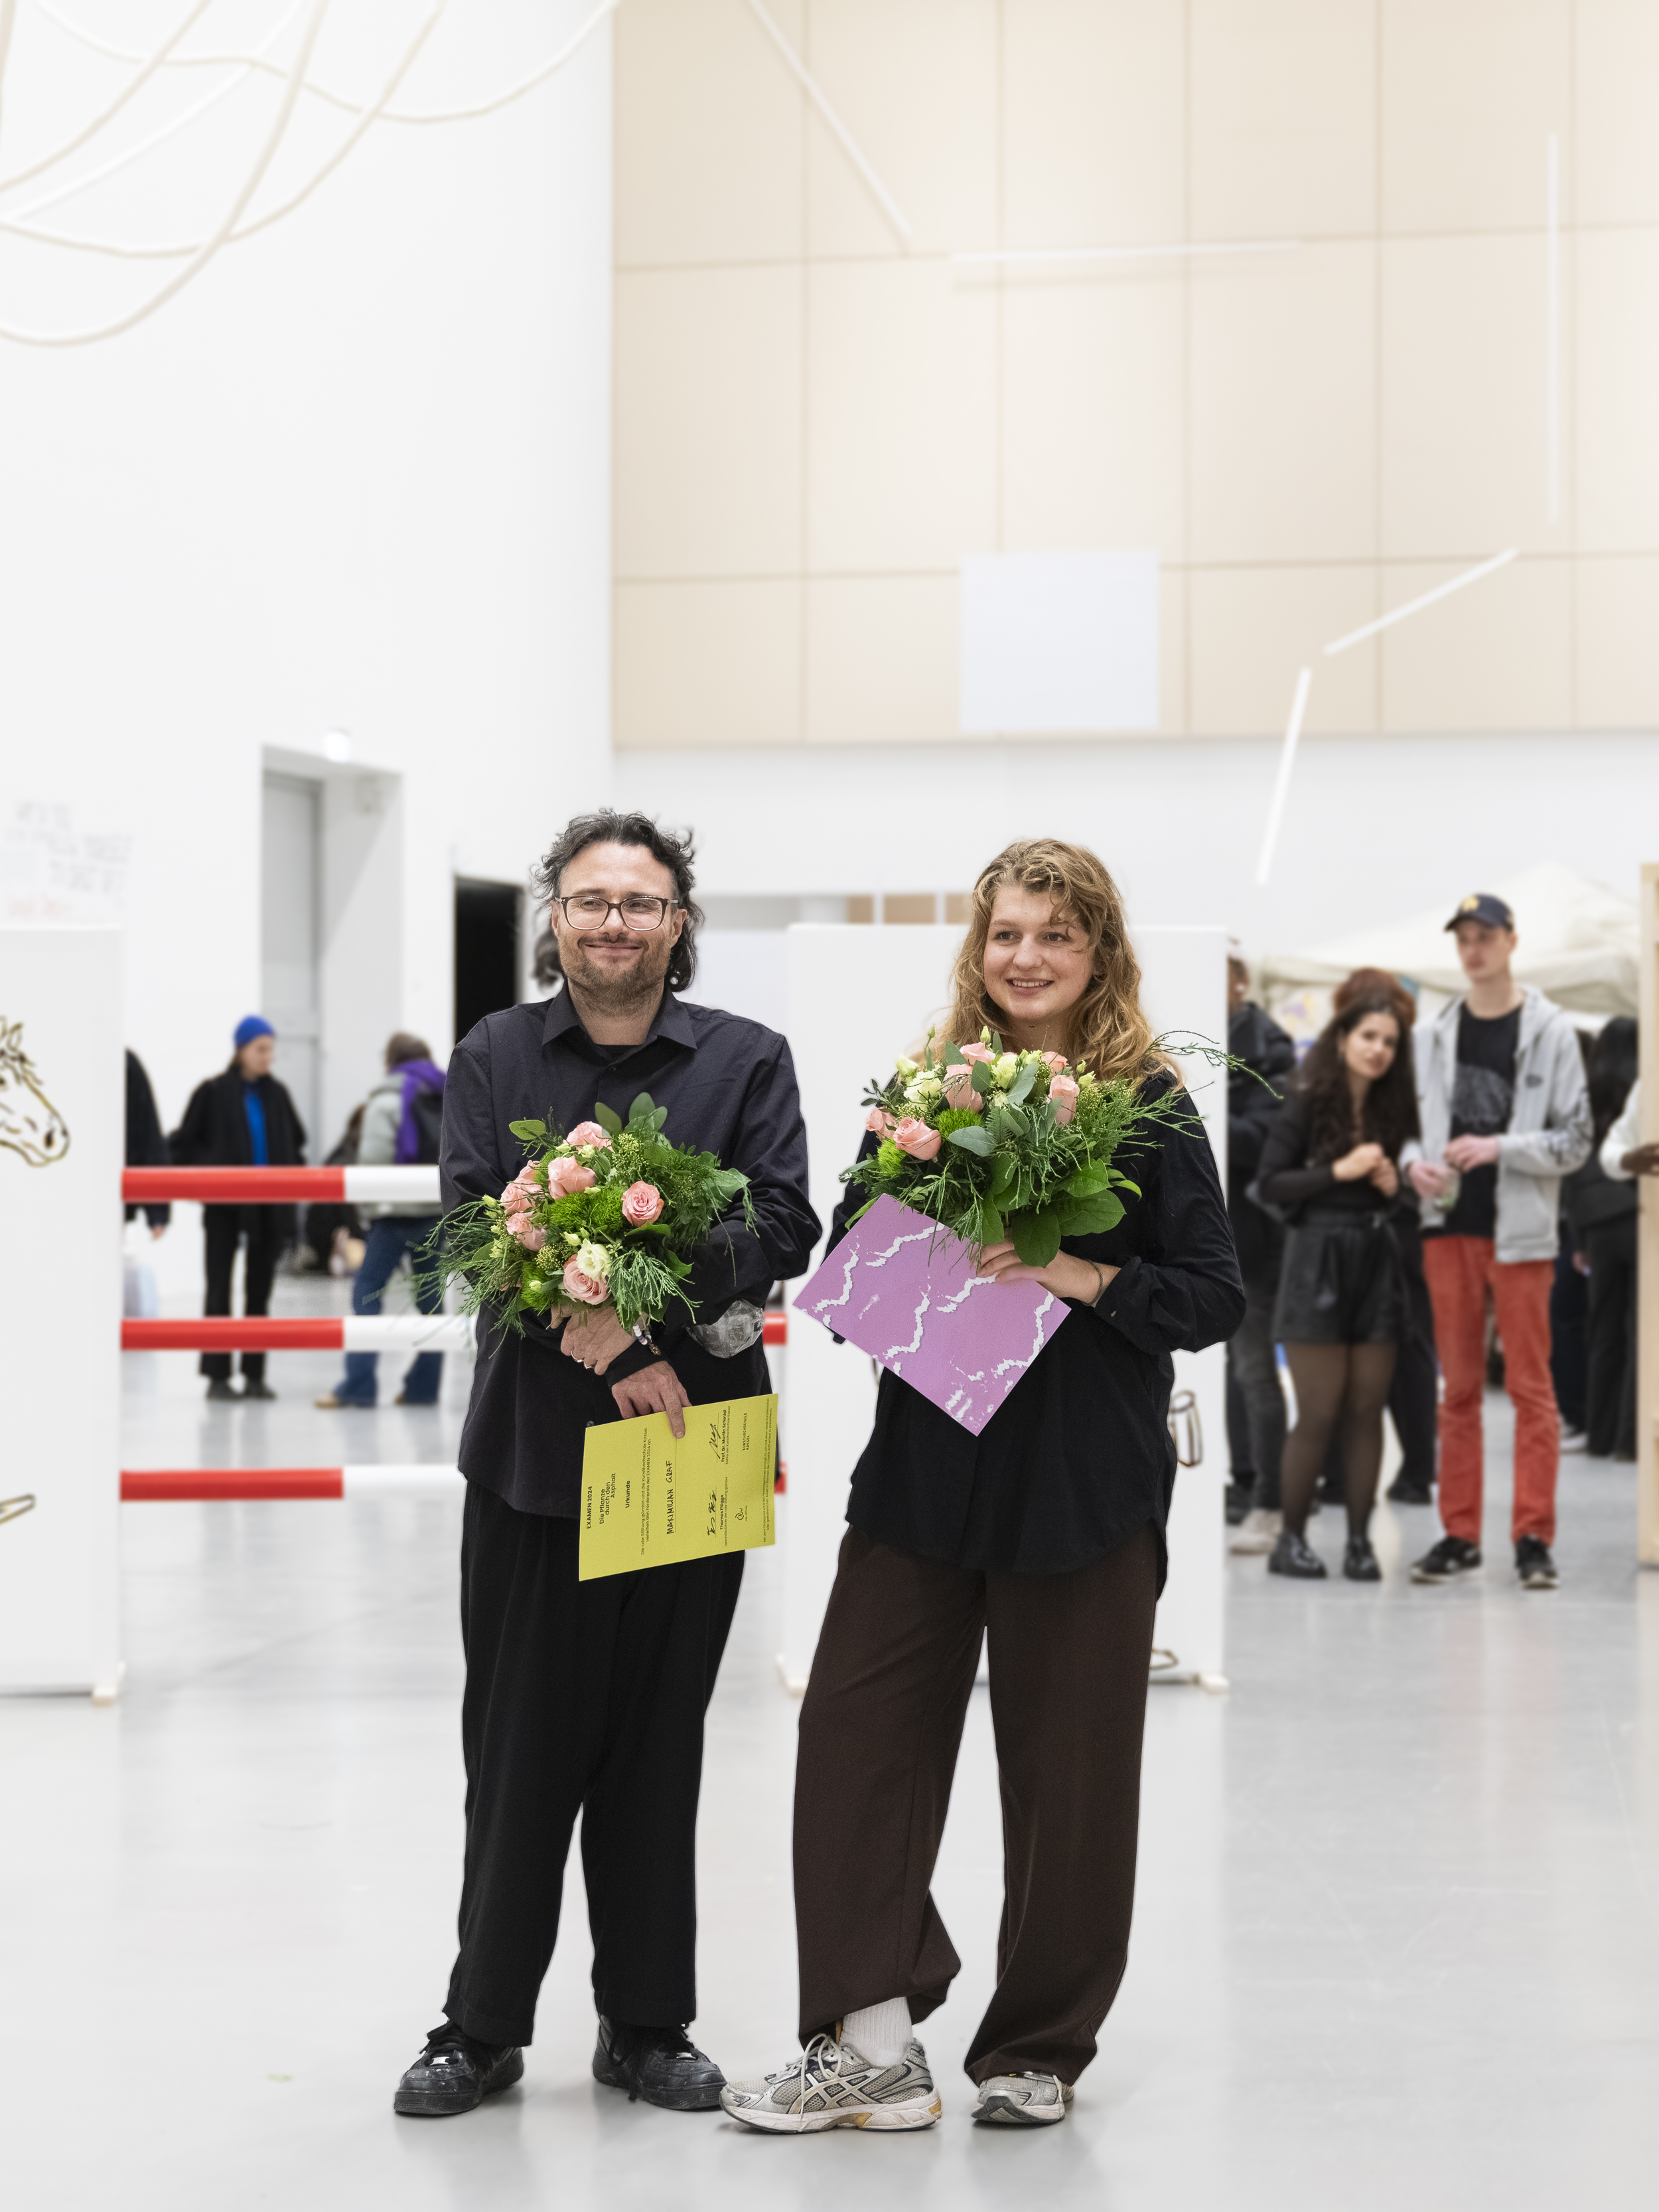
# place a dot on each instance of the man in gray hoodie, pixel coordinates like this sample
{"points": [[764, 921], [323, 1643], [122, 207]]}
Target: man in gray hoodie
{"points": [[1505, 1115]]}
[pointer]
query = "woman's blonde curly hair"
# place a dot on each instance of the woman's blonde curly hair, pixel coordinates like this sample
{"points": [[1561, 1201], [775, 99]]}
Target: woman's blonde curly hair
{"points": [[1106, 1028]]}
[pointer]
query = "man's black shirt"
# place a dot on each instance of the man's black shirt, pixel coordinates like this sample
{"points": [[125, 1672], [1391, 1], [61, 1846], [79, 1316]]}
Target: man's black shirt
{"points": [[1483, 1098], [729, 1087]]}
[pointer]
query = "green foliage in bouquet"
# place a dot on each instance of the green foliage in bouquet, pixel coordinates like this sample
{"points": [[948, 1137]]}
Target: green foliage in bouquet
{"points": [[999, 1145], [610, 1213]]}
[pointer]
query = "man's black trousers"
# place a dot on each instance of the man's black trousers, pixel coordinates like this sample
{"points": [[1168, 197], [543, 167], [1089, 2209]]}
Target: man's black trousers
{"points": [[580, 1697], [267, 1228]]}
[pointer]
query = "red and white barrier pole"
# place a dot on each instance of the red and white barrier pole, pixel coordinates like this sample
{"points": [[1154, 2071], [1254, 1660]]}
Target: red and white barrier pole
{"points": [[159, 1484], [282, 1186]]}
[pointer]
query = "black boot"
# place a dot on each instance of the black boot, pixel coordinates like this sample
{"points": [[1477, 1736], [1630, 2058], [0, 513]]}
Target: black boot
{"points": [[1291, 1555], [1359, 1561], [455, 2073], [662, 2064]]}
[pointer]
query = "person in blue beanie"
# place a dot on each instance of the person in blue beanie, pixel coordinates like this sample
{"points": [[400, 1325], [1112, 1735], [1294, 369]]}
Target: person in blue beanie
{"points": [[243, 1118], [401, 1125]]}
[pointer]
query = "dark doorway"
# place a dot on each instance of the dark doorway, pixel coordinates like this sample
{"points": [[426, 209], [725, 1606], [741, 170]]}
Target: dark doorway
{"points": [[486, 951]]}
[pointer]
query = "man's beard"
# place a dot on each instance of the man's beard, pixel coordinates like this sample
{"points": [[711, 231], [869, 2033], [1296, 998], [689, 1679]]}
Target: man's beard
{"points": [[624, 993]]}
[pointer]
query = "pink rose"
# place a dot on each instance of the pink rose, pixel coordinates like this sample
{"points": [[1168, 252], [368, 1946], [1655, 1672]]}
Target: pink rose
{"points": [[527, 1232], [959, 1090], [566, 1177], [1062, 1096], [877, 1123], [589, 1132], [521, 1192], [1053, 1062], [587, 1288], [641, 1203], [917, 1139], [978, 1051]]}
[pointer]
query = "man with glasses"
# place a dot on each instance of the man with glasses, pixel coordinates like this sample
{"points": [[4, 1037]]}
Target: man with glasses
{"points": [[589, 1697]]}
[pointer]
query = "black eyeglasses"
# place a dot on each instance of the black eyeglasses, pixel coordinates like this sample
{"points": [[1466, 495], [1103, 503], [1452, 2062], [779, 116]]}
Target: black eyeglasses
{"points": [[593, 910]]}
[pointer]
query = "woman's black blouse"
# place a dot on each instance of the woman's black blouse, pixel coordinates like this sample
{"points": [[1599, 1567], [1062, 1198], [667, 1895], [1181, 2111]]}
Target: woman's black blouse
{"points": [[1286, 1177], [1079, 1456]]}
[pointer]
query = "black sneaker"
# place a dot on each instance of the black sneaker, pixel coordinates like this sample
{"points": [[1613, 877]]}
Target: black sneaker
{"points": [[662, 2064], [1401, 1492], [221, 1393], [1447, 1561], [257, 1390], [1533, 1565], [1291, 1555], [455, 2074], [1359, 1561], [1238, 1500]]}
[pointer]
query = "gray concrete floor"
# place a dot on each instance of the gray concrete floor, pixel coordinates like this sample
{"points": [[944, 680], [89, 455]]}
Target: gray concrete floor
{"points": [[1396, 1939]]}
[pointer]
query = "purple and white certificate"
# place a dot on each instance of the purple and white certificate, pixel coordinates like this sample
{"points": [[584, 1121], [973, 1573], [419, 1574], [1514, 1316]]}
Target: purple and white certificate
{"points": [[904, 1290]]}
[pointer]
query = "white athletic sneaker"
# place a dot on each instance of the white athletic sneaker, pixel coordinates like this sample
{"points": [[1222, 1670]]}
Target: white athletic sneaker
{"points": [[832, 2085], [1023, 2100], [1257, 1532]]}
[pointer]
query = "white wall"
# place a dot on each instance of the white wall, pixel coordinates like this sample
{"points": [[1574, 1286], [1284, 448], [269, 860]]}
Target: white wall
{"points": [[355, 478]]}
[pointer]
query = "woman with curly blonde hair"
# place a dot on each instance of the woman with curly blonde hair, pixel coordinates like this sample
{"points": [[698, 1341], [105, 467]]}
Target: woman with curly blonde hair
{"points": [[1045, 1535]]}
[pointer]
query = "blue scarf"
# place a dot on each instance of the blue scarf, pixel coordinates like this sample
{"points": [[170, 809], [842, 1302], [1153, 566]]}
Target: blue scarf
{"points": [[418, 1075]]}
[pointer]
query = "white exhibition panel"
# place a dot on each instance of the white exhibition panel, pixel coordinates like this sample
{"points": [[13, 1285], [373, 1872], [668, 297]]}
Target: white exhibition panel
{"points": [[857, 997], [1059, 642], [61, 1068]]}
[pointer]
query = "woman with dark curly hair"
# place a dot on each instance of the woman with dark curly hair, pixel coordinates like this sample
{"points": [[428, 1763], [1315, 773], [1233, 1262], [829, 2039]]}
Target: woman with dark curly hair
{"points": [[1332, 1161]]}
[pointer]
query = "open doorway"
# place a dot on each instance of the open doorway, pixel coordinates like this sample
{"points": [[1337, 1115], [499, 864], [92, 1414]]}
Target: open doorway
{"points": [[290, 940], [488, 921]]}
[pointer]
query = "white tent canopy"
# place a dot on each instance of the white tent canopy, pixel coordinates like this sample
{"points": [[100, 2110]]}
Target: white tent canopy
{"points": [[1577, 943]]}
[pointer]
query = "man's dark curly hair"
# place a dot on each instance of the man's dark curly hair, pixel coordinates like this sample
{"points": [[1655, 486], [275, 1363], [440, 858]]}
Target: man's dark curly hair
{"points": [[604, 826]]}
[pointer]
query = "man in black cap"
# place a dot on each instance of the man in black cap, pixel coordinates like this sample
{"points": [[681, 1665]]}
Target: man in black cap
{"points": [[1505, 1115]]}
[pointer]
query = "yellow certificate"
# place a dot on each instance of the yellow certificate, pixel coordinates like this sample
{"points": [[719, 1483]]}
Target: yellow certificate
{"points": [[650, 1499]]}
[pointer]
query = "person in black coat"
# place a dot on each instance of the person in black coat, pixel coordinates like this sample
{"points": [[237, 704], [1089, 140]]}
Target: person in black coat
{"points": [[241, 1119], [1601, 1215], [1256, 1402], [146, 1146]]}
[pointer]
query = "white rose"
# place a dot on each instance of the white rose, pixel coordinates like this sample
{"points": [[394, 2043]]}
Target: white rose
{"points": [[593, 1260]]}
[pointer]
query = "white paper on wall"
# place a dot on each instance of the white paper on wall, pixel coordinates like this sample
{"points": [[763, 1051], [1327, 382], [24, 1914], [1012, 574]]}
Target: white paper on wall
{"points": [[1059, 642]]}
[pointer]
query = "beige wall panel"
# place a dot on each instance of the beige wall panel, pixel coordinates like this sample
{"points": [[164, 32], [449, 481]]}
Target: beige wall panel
{"points": [[1253, 629], [1283, 116], [1615, 147], [1617, 462], [707, 665], [1617, 616], [1470, 92], [1094, 123], [1093, 439], [882, 660], [707, 421], [1499, 656], [709, 130], [916, 83], [901, 417], [1463, 397], [1284, 410]]}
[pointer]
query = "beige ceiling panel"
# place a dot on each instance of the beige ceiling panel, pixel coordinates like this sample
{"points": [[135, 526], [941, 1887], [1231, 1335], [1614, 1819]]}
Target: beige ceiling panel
{"points": [[1094, 123], [1283, 117], [1617, 460], [1463, 401], [914, 81], [882, 660], [1616, 610], [1253, 630], [1470, 92], [1497, 656], [707, 422], [902, 417], [1284, 413], [708, 135], [1615, 144], [707, 665], [1094, 446]]}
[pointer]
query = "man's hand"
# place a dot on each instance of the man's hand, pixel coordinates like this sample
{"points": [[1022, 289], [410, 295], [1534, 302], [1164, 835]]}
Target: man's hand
{"points": [[654, 1389], [1644, 1160], [1466, 1152], [595, 1338], [1427, 1180]]}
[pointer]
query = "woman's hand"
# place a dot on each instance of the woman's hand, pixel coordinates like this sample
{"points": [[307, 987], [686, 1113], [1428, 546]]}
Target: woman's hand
{"points": [[1361, 1161], [1066, 1277], [595, 1338], [1386, 1176]]}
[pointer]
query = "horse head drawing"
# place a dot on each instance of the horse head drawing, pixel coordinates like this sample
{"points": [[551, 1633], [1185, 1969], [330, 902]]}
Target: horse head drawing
{"points": [[30, 1125]]}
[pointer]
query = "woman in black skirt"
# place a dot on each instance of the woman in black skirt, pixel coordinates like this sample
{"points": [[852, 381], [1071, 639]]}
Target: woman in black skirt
{"points": [[1332, 1162], [1044, 1533]]}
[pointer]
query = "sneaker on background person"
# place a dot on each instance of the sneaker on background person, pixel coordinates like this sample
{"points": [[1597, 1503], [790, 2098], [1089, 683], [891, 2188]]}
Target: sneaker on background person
{"points": [[833, 2085], [1573, 1440], [454, 2074], [1022, 2100], [660, 2064], [1257, 1533], [1447, 1561], [1404, 1492], [1534, 1567]]}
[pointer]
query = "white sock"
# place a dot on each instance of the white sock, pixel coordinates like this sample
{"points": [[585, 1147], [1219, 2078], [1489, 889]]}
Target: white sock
{"points": [[879, 2033]]}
